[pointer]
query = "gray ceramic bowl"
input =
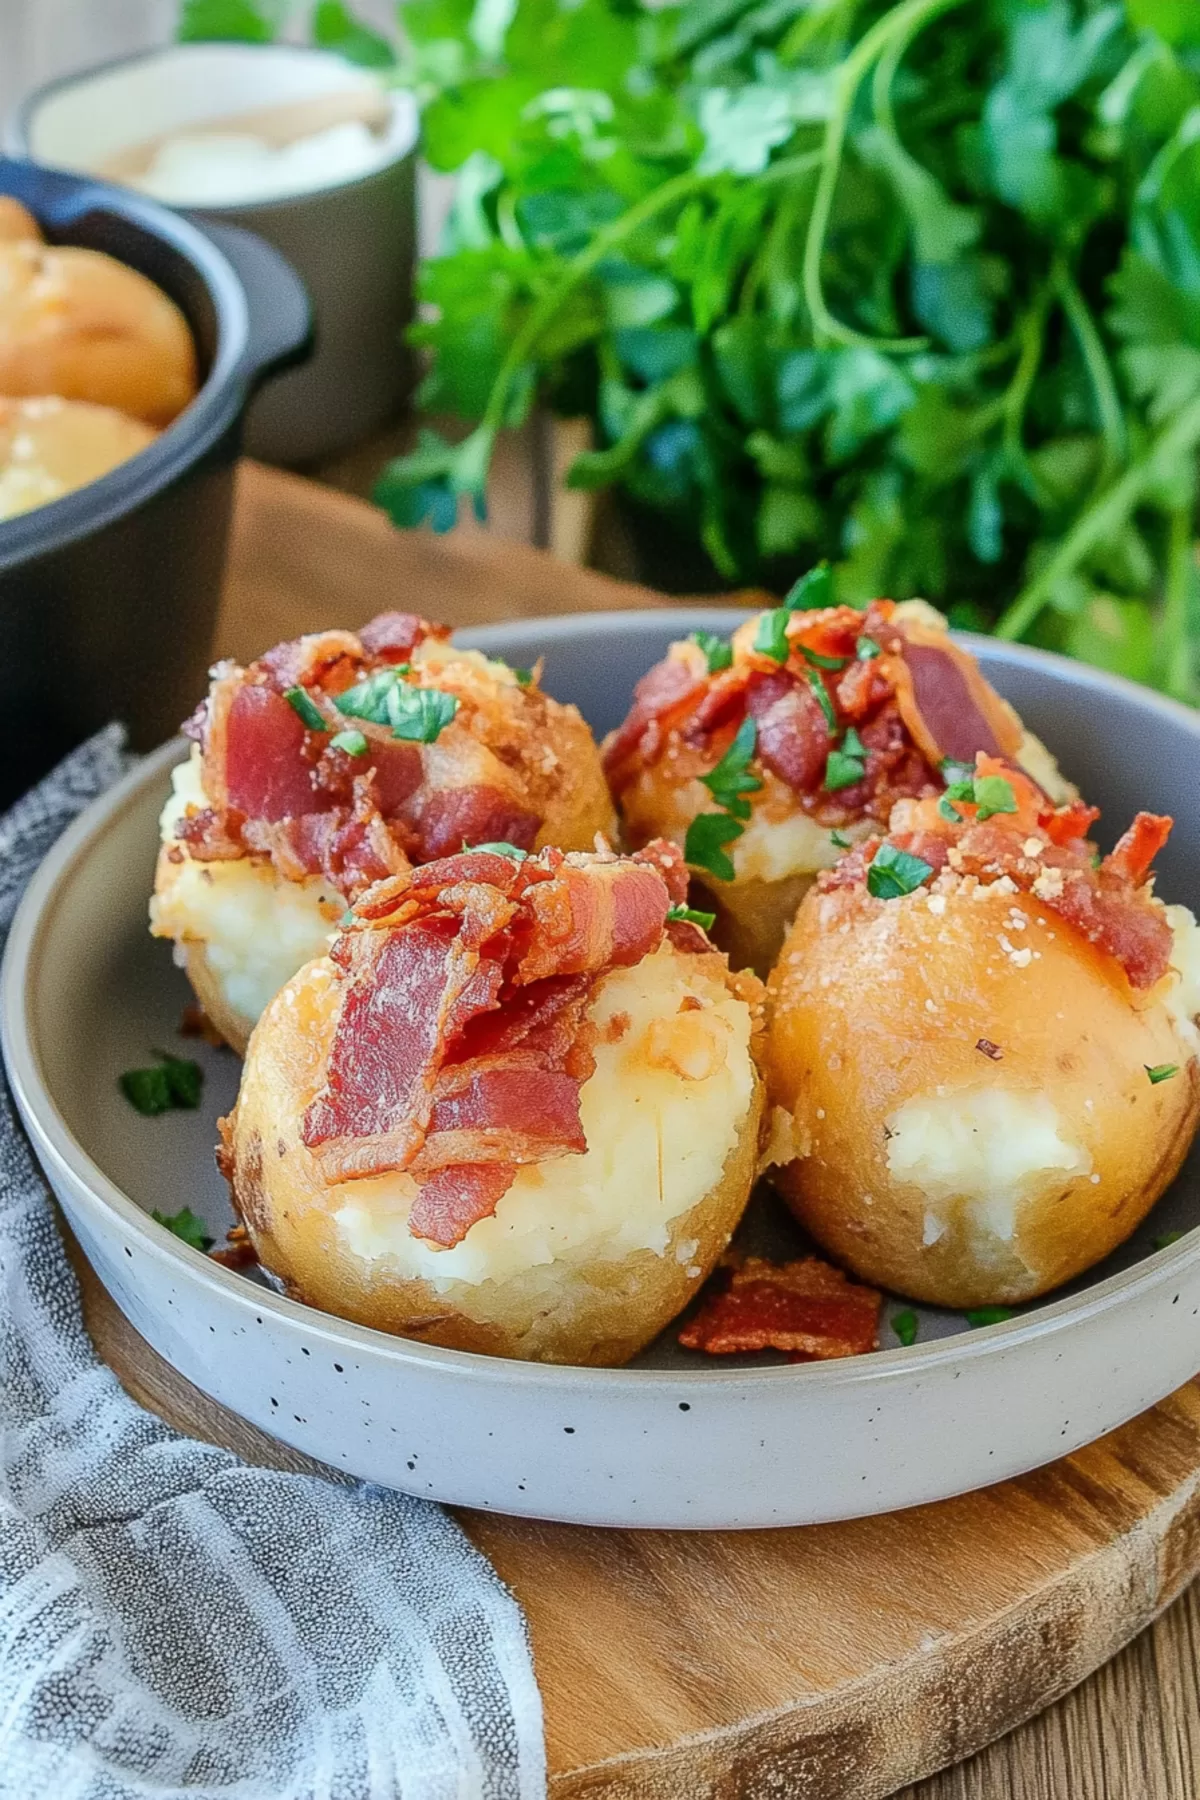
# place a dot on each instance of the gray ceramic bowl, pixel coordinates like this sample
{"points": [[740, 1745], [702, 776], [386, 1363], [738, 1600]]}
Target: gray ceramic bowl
{"points": [[672, 1441]]}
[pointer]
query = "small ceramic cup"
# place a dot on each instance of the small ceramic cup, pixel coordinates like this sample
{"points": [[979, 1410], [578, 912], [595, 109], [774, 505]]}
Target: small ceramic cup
{"points": [[352, 241]]}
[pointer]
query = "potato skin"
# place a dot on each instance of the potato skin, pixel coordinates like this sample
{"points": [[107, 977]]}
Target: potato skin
{"points": [[601, 1312], [878, 1002], [232, 1025]]}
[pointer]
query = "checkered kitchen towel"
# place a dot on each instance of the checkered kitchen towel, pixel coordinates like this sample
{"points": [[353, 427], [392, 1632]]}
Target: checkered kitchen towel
{"points": [[175, 1623]]}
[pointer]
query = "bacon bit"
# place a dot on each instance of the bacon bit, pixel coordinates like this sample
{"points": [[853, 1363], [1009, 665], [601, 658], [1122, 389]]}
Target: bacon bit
{"points": [[663, 691], [793, 736], [945, 702], [237, 1252], [462, 1040], [807, 1308], [617, 1028], [667, 858], [986, 1048], [194, 1022], [1139, 846]]}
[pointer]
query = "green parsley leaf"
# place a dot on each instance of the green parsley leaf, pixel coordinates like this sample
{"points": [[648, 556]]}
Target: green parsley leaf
{"points": [[949, 812], [993, 794], [1167, 1238], [175, 1082], [893, 873], [352, 742], [906, 1325], [512, 851], [866, 649], [846, 764], [840, 839], [1160, 1072], [718, 652], [185, 1225], [812, 592], [771, 638], [301, 703], [704, 846], [987, 1315], [955, 773], [731, 779], [824, 702], [688, 915], [524, 677], [818, 661], [385, 698]]}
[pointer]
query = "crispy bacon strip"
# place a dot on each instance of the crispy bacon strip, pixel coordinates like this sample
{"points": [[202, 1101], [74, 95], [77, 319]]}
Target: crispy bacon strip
{"points": [[462, 1043], [808, 1309], [278, 788]]}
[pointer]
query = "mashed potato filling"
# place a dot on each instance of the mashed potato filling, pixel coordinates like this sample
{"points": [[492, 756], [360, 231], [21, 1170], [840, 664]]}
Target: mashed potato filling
{"points": [[257, 930], [672, 1086], [976, 1153], [1182, 996]]}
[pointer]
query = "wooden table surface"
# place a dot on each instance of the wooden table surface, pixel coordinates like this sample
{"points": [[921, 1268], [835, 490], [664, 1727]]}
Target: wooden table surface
{"points": [[1131, 1731]]}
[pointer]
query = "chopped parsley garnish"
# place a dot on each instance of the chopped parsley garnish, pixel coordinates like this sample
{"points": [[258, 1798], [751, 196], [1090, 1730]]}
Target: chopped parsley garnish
{"points": [[301, 702], [824, 702], [731, 780], [866, 649], [811, 592], [846, 764], [175, 1082], [987, 1315], [993, 794], [892, 873], [1167, 1238], [352, 742], [953, 772], [948, 811], [688, 915], [718, 652], [185, 1225], [512, 851], [771, 638], [704, 846], [1160, 1072], [840, 839], [906, 1325], [822, 662], [524, 677], [385, 698]]}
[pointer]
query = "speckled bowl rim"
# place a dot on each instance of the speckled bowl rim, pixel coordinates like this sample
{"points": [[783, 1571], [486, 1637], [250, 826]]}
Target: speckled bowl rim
{"points": [[54, 1141]]}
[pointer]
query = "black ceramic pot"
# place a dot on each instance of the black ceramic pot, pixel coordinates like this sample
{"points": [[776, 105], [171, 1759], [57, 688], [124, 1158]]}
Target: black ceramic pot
{"points": [[108, 597]]}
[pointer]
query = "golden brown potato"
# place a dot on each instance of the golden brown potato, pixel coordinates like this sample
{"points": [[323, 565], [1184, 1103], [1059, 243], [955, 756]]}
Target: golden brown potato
{"points": [[249, 909], [81, 325], [17, 225], [586, 1256], [962, 1076], [843, 712], [50, 447]]}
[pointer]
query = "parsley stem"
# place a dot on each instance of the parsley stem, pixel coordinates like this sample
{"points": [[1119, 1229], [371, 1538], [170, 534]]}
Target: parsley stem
{"points": [[902, 23], [1103, 518], [1104, 388], [1032, 338], [1181, 576], [544, 309]]}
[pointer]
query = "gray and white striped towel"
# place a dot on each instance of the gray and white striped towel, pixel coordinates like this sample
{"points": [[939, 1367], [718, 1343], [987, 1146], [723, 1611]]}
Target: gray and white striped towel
{"points": [[176, 1624]]}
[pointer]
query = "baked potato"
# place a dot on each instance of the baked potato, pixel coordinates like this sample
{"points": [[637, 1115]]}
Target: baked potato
{"points": [[49, 447], [80, 324], [336, 761], [765, 756], [515, 1110], [982, 1045]]}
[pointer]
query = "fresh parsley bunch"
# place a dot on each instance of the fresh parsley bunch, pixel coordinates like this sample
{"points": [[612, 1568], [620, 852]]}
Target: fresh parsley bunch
{"points": [[911, 285]]}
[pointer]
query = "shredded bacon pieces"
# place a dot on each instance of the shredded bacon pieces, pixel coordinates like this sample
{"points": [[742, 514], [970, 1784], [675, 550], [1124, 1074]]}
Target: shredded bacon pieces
{"points": [[277, 788], [1045, 851], [462, 1043], [807, 1308], [921, 699]]}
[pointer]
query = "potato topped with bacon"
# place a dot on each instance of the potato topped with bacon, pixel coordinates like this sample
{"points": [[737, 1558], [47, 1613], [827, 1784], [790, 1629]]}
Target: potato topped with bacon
{"points": [[515, 1110], [336, 761], [983, 1044], [766, 756]]}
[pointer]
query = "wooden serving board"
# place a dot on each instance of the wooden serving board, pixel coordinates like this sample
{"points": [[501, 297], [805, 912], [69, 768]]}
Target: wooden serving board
{"points": [[837, 1662]]}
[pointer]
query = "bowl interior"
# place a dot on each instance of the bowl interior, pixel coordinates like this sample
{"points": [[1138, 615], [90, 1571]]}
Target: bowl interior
{"points": [[105, 996]]}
